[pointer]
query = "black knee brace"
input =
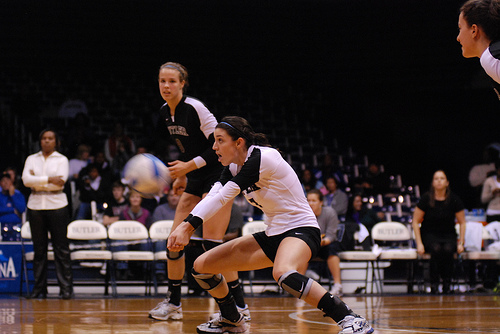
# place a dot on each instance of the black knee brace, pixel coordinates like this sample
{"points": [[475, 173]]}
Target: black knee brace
{"points": [[207, 281], [175, 255], [208, 244], [296, 284]]}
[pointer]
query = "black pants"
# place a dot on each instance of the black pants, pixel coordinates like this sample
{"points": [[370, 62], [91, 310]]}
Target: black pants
{"points": [[56, 222], [442, 249]]}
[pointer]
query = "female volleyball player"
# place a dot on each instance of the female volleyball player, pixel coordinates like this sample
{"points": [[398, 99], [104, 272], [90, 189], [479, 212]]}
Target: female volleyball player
{"points": [[292, 236], [479, 34], [190, 125]]}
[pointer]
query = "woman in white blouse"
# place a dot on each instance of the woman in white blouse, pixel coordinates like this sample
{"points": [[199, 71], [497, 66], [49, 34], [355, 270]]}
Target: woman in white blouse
{"points": [[45, 173]]}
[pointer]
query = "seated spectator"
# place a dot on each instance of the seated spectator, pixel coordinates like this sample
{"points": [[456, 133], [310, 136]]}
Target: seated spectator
{"points": [[328, 224], [335, 197], [118, 148], [491, 195], [360, 214], [134, 210], [247, 209], [374, 181], [309, 181], [81, 160], [17, 181], [116, 205], [166, 211], [12, 206], [93, 188]]}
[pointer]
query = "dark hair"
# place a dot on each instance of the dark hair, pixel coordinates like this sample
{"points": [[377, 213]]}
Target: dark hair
{"points": [[183, 73], [484, 13], [58, 140], [350, 206], [238, 127], [317, 192], [117, 184], [432, 192], [5, 174]]}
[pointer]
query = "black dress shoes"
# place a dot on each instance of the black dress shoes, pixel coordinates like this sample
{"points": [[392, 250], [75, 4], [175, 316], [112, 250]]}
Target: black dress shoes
{"points": [[38, 294], [67, 294]]}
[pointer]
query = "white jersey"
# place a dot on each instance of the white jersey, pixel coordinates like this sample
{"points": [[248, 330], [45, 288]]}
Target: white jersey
{"points": [[268, 182], [490, 61]]}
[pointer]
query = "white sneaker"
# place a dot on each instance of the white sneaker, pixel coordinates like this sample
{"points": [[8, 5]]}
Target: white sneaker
{"points": [[244, 311], [165, 310], [312, 274], [222, 325], [354, 325], [336, 290]]}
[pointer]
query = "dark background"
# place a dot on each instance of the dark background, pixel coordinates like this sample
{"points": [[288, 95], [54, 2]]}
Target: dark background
{"points": [[388, 74]]}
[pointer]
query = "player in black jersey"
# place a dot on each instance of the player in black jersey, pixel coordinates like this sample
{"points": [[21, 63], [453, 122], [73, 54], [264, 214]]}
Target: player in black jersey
{"points": [[291, 239], [479, 26], [187, 123]]}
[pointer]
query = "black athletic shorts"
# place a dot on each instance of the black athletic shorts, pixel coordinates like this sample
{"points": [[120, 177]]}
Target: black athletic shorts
{"points": [[198, 186], [311, 236]]}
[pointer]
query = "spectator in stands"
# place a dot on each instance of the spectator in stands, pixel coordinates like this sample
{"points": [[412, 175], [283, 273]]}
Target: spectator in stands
{"points": [[45, 173], [491, 195], [335, 197], [12, 206], [135, 211], [116, 205], [309, 181], [81, 160], [118, 148], [17, 181], [166, 211], [374, 181], [247, 209], [328, 169], [434, 227], [357, 212], [328, 224], [480, 172], [93, 188], [105, 167]]}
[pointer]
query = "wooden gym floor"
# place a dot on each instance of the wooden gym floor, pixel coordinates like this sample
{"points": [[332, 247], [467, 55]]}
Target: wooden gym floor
{"points": [[276, 314]]}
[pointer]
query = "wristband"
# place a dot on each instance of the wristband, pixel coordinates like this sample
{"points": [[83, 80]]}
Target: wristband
{"points": [[194, 221]]}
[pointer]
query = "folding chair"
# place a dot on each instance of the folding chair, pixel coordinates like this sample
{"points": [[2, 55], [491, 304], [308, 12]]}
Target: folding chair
{"points": [[28, 257], [96, 233], [251, 228], [132, 232]]}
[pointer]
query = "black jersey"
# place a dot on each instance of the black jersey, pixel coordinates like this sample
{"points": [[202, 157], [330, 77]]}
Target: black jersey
{"points": [[191, 130]]}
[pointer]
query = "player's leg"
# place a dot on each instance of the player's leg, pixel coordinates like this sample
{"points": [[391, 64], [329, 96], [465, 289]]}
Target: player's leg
{"points": [[291, 253], [227, 257], [171, 308], [213, 231]]}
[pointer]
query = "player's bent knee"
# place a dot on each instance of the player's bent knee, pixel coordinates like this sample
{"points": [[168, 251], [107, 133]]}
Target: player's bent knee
{"points": [[208, 281], [295, 284], [175, 255]]}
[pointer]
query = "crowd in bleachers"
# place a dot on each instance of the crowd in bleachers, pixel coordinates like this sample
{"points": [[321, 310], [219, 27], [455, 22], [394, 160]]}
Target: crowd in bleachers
{"points": [[104, 123]]}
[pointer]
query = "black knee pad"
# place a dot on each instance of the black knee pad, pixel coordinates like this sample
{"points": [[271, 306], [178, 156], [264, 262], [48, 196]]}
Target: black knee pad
{"points": [[296, 284], [207, 281], [175, 255], [208, 244]]}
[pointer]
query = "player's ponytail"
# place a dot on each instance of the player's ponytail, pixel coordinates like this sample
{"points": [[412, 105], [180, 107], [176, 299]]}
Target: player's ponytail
{"points": [[238, 127]]}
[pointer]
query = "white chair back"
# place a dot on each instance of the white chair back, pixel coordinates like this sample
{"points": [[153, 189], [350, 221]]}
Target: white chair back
{"points": [[161, 229], [127, 230], [86, 230], [390, 231], [253, 227]]}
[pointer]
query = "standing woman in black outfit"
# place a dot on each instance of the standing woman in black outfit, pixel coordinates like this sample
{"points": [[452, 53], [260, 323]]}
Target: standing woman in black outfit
{"points": [[187, 123], [434, 226], [45, 173]]}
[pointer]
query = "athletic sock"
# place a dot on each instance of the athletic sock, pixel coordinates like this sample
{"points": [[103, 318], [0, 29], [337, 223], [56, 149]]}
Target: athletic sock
{"points": [[334, 307], [228, 308], [237, 292], [174, 287]]}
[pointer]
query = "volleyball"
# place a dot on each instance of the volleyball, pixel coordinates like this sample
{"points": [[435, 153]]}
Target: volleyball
{"points": [[146, 174]]}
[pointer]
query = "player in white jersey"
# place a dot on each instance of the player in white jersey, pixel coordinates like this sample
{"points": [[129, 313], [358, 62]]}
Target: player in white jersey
{"points": [[479, 26], [291, 239]]}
